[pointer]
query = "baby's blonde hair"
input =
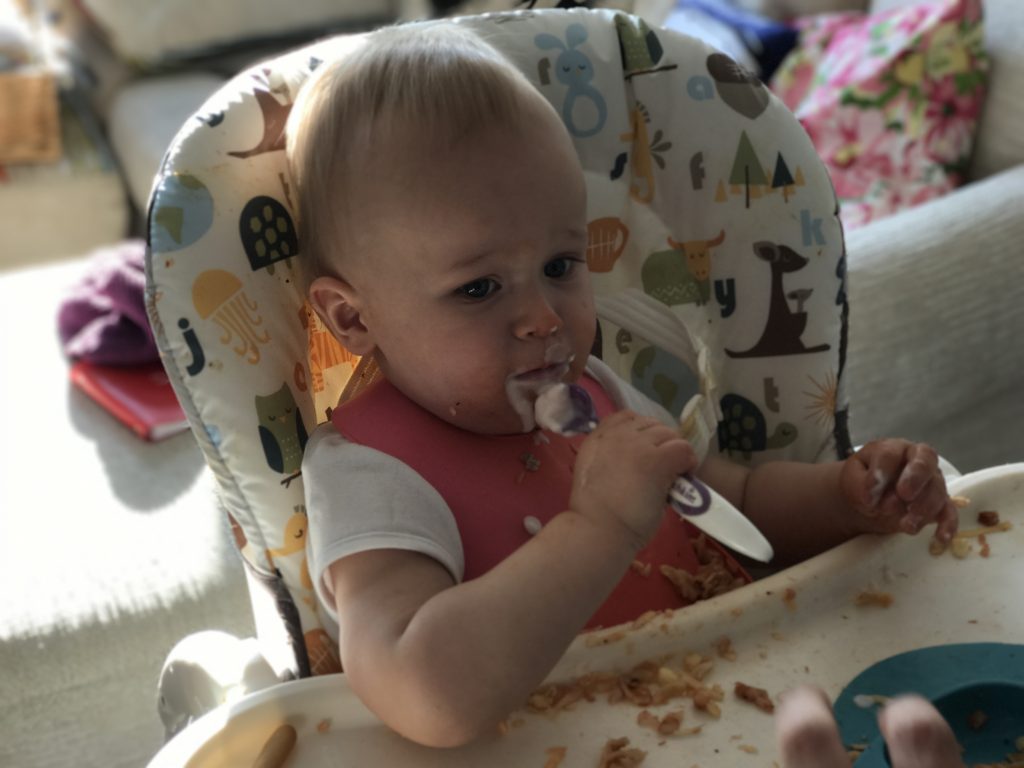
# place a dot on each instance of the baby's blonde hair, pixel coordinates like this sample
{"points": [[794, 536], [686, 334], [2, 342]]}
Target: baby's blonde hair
{"points": [[436, 81]]}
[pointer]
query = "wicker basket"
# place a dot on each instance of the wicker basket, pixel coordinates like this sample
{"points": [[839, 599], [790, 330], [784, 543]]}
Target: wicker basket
{"points": [[29, 117]]}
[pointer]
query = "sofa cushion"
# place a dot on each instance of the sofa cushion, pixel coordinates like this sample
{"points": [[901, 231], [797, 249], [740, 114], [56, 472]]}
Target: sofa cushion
{"points": [[1000, 141], [154, 33], [143, 118], [891, 101]]}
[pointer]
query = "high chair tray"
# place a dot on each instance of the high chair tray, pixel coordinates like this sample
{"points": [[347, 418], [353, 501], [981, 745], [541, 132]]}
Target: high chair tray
{"points": [[802, 625]]}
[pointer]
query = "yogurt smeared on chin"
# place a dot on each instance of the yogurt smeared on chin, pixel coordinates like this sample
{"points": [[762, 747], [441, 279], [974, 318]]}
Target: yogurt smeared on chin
{"points": [[523, 387]]}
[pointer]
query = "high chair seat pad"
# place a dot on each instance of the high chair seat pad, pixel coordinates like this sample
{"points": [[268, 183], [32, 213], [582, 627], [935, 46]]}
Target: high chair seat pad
{"points": [[716, 254]]}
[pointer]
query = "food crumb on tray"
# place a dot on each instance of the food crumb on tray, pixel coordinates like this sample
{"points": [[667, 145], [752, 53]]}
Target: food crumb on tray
{"points": [[647, 684], [668, 724], [988, 517], [618, 754], [873, 597], [789, 598], [715, 575], [960, 546], [724, 648], [555, 756], [757, 696]]}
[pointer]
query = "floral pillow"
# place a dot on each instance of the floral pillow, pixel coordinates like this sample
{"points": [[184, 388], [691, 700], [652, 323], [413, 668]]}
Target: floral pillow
{"points": [[891, 101]]}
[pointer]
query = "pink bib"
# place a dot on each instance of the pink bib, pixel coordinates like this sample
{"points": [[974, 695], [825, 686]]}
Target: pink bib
{"points": [[493, 483]]}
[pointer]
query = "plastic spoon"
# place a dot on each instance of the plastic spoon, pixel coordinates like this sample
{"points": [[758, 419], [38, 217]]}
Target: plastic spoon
{"points": [[567, 409]]}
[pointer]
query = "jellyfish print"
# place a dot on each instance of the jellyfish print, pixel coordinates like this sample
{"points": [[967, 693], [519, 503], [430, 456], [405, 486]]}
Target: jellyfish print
{"points": [[219, 294]]}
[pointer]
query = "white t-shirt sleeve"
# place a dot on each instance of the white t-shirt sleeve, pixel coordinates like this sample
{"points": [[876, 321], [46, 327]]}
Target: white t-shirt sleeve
{"points": [[359, 499]]}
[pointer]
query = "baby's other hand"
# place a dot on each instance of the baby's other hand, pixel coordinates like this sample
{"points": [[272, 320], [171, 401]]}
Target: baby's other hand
{"points": [[914, 732], [624, 470], [896, 485]]}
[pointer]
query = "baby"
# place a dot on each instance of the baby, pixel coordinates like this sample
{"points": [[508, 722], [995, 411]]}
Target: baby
{"points": [[443, 215]]}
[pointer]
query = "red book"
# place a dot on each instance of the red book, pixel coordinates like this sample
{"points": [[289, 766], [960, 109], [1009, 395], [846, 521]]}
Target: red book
{"points": [[140, 396]]}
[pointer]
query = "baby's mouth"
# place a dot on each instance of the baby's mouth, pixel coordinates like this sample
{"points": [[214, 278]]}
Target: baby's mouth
{"points": [[549, 372], [523, 386]]}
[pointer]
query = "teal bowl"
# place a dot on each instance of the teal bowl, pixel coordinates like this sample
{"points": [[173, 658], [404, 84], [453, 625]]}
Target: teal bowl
{"points": [[990, 741], [945, 674]]}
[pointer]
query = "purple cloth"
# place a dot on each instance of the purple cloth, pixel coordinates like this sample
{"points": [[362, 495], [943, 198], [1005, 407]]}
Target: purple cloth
{"points": [[103, 318]]}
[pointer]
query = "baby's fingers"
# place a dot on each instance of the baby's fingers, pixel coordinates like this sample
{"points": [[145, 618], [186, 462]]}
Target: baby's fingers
{"points": [[927, 507], [947, 522], [921, 469], [807, 732], [917, 736]]}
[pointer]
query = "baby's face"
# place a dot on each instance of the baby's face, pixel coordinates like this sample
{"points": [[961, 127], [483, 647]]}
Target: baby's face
{"points": [[473, 273]]}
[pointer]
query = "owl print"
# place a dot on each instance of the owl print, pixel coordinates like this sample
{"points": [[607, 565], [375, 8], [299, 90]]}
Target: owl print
{"points": [[282, 433]]}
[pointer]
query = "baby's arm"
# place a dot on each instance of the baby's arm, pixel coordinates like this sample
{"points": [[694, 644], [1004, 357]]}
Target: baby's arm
{"points": [[887, 486], [443, 663]]}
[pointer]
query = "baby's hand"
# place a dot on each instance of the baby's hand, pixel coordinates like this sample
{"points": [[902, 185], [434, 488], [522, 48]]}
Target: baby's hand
{"points": [[895, 485], [914, 732], [624, 470]]}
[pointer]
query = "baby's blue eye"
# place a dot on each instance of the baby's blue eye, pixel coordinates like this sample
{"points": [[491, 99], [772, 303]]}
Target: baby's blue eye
{"points": [[558, 267], [477, 289]]}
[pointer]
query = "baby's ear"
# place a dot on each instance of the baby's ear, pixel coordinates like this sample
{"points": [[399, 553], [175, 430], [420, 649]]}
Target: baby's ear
{"points": [[339, 306]]}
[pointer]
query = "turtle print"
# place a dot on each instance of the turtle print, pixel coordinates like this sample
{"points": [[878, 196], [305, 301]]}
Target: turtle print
{"points": [[743, 429], [267, 233]]}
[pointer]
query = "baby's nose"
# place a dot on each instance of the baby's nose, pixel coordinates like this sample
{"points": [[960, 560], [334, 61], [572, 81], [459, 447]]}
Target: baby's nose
{"points": [[539, 320]]}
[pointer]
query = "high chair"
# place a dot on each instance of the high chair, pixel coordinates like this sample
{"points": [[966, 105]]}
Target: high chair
{"points": [[717, 258]]}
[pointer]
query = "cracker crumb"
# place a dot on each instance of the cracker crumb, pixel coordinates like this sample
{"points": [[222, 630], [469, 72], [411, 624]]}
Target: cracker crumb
{"points": [[618, 754], [666, 725], [988, 517], [595, 639], [873, 597], [750, 749], [555, 756], [789, 598], [715, 575], [868, 700], [757, 696], [646, 618], [969, 533], [960, 548], [324, 725], [985, 550], [854, 751], [960, 501], [724, 649], [706, 700], [976, 720]]}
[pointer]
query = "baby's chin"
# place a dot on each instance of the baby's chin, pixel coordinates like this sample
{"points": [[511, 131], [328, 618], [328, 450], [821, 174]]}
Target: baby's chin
{"points": [[507, 422]]}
